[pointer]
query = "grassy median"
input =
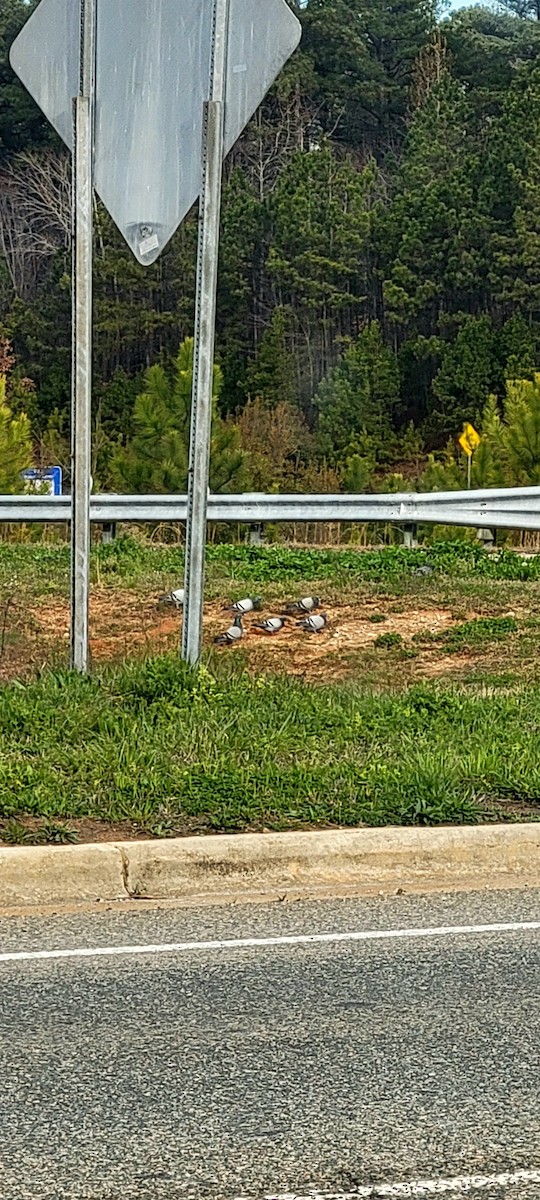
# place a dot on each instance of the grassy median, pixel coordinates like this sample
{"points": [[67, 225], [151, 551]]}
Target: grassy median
{"points": [[170, 750], [420, 703]]}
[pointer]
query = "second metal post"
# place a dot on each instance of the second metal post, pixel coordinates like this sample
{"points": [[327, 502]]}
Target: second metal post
{"points": [[81, 408], [205, 322]]}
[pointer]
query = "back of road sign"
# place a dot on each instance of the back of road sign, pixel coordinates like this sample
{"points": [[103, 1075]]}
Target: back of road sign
{"points": [[152, 78]]}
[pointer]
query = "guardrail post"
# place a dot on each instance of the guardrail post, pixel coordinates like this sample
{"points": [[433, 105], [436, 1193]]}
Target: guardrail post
{"points": [[256, 534], [410, 537], [108, 533], [487, 537]]}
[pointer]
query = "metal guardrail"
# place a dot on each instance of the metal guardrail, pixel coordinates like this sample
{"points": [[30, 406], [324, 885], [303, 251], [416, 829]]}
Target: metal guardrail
{"points": [[504, 508]]}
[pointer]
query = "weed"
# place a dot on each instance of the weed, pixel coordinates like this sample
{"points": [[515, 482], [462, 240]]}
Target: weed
{"points": [[16, 834], [58, 834], [387, 641], [479, 631]]}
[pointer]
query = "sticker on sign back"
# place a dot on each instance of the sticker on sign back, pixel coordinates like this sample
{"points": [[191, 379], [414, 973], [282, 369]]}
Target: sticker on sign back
{"points": [[148, 244]]}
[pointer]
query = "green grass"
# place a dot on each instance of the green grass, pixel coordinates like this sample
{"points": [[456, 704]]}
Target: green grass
{"points": [[476, 634], [129, 562], [174, 750]]}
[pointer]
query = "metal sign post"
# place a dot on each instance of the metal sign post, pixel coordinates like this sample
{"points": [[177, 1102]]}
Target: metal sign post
{"points": [[205, 322], [81, 407]]}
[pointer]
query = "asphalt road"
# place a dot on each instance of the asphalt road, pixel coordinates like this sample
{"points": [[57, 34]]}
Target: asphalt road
{"points": [[338, 1066]]}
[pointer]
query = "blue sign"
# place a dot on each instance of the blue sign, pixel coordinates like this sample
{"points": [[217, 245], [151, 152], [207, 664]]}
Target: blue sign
{"points": [[50, 478]]}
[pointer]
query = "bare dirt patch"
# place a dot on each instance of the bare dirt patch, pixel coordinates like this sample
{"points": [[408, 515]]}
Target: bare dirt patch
{"points": [[328, 654], [125, 624]]}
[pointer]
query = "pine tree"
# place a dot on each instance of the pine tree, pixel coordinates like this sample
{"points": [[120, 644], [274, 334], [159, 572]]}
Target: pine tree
{"points": [[364, 53], [488, 466], [517, 347], [520, 433], [241, 222], [468, 372], [15, 445], [319, 228], [272, 373], [360, 394], [357, 474], [156, 458], [433, 237]]}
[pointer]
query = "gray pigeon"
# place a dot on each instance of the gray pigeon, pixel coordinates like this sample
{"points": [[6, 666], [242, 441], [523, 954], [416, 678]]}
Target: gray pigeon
{"points": [[271, 625], [175, 598], [425, 570], [241, 607], [232, 635], [307, 605], [314, 624]]}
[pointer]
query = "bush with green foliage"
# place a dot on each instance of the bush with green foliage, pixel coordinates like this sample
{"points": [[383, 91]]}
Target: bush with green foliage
{"points": [[155, 458]]}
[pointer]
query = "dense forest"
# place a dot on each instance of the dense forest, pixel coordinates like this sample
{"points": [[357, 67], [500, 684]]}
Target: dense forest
{"points": [[379, 271]]}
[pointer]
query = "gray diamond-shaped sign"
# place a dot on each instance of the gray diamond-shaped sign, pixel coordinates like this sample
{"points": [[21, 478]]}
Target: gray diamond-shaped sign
{"points": [[152, 78]]}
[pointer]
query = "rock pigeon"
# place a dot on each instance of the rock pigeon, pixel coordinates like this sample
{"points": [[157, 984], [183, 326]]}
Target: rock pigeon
{"points": [[250, 604], [271, 625], [307, 605], [425, 570], [314, 624], [175, 597], [232, 635]]}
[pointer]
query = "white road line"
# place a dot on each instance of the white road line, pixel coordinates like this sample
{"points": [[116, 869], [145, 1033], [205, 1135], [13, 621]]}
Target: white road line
{"points": [[295, 939], [461, 1185]]}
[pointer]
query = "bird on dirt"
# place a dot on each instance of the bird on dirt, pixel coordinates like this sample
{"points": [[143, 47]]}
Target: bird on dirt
{"points": [[231, 636], [176, 598], [297, 607], [314, 624], [241, 607], [271, 625]]}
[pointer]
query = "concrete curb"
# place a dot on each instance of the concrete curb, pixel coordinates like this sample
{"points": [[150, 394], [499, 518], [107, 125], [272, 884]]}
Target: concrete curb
{"points": [[37, 875], [224, 868]]}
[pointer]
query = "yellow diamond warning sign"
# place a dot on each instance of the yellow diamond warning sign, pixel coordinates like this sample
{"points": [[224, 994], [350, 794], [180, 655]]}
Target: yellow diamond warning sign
{"points": [[469, 439]]}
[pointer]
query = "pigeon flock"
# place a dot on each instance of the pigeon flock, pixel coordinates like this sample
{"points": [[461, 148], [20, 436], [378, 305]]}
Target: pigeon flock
{"points": [[311, 621]]}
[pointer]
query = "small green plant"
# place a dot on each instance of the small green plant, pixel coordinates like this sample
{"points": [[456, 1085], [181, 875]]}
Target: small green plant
{"points": [[14, 833], [377, 618], [480, 630], [58, 834], [388, 641]]}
